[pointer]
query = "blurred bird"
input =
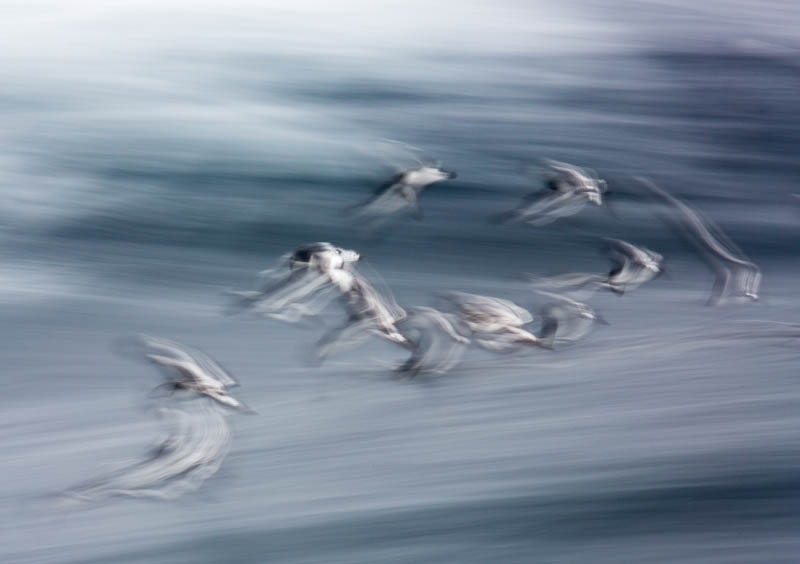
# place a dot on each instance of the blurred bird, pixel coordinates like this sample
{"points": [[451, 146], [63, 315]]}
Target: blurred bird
{"points": [[369, 312], [318, 273], [296, 287], [631, 267], [195, 444], [571, 188], [735, 274], [191, 371], [495, 324], [401, 193], [437, 344], [565, 320]]}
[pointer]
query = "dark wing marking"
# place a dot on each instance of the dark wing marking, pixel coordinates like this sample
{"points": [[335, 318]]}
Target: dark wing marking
{"points": [[396, 179], [549, 327]]}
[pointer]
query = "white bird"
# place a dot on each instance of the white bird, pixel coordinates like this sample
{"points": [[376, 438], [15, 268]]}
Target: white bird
{"points": [[735, 274], [191, 371], [571, 188], [631, 267], [402, 192], [569, 179], [296, 288], [437, 342], [565, 320], [318, 273], [369, 312], [495, 324]]}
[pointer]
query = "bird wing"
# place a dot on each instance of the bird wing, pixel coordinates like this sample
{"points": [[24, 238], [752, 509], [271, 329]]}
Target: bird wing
{"points": [[520, 313], [622, 247], [410, 192], [196, 365], [211, 367], [188, 370], [550, 322], [384, 186], [224, 398], [571, 283], [167, 347], [572, 173]]}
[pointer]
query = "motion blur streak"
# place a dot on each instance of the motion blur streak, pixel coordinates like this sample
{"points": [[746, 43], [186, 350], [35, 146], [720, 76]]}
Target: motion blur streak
{"points": [[154, 155], [195, 445]]}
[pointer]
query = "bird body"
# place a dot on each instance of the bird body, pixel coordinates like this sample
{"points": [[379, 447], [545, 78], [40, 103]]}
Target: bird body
{"points": [[571, 188], [191, 371], [496, 324], [402, 193], [297, 288]]}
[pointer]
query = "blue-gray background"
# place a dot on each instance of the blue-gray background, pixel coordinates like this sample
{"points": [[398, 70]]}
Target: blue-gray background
{"points": [[153, 154]]}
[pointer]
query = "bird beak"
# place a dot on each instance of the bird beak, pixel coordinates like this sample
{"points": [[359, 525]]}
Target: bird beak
{"points": [[450, 174], [600, 319]]}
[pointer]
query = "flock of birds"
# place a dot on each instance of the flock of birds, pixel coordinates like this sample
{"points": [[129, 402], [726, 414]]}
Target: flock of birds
{"points": [[307, 280]]}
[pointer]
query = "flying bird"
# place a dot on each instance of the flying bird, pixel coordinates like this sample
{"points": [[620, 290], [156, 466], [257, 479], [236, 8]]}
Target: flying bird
{"points": [[402, 193], [191, 371], [300, 286], [565, 320], [436, 340], [495, 324], [736, 276], [568, 190], [195, 443], [369, 312], [631, 266]]}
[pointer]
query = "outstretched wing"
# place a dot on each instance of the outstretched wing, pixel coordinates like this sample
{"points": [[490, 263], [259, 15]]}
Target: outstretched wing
{"points": [[384, 186], [570, 173], [377, 193], [550, 322], [190, 362]]}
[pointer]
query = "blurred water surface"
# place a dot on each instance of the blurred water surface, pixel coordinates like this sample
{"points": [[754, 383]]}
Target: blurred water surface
{"points": [[156, 154]]}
